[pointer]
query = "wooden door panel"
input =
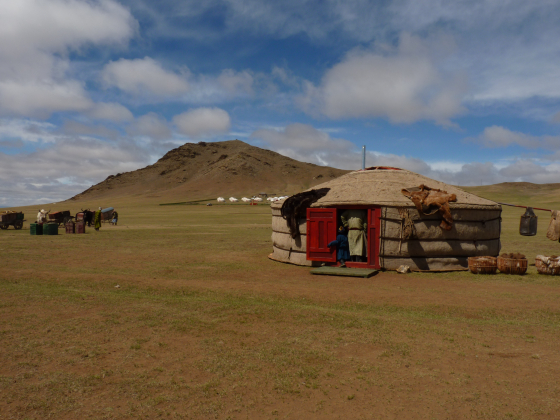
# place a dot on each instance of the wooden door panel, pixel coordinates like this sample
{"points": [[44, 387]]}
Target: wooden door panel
{"points": [[321, 229]]}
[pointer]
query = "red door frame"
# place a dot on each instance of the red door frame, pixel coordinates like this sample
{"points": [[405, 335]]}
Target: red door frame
{"points": [[372, 243]]}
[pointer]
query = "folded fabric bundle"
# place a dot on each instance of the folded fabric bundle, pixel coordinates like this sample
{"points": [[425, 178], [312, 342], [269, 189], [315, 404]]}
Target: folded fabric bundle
{"points": [[553, 232]]}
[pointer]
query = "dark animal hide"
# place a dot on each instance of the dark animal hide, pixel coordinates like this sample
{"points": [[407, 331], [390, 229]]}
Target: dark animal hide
{"points": [[88, 217], [430, 200], [295, 207]]}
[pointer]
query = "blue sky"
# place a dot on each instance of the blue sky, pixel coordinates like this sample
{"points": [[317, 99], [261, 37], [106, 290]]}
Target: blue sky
{"points": [[466, 91]]}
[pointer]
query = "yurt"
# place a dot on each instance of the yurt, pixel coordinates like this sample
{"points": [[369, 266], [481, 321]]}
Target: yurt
{"points": [[400, 228]]}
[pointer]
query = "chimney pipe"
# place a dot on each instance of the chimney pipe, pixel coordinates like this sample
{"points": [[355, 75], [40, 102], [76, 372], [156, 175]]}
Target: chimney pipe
{"points": [[363, 157]]}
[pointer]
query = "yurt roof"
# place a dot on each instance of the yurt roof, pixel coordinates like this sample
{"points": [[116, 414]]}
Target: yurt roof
{"points": [[382, 186]]}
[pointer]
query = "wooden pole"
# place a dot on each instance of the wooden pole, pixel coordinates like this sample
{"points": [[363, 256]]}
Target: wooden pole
{"points": [[523, 207]]}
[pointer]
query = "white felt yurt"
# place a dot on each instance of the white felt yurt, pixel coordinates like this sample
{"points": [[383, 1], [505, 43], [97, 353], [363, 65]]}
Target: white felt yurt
{"points": [[475, 230]]}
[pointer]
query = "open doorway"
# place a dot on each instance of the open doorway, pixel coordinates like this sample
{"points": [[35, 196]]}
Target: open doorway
{"points": [[322, 226]]}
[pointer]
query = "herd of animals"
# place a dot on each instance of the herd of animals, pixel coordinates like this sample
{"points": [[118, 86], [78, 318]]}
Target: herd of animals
{"points": [[252, 199]]}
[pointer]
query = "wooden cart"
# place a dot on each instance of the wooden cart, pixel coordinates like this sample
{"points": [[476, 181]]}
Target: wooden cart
{"points": [[60, 217], [14, 219]]}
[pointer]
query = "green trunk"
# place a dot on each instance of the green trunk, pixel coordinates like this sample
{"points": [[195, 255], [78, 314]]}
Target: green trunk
{"points": [[50, 229], [36, 229]]}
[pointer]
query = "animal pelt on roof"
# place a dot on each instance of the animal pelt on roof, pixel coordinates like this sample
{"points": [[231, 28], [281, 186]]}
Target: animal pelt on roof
{"points": [[431, 200], [295, 207]]}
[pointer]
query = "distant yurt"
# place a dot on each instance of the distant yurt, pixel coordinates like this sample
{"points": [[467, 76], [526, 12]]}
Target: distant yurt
{"points": [[402, 226]]}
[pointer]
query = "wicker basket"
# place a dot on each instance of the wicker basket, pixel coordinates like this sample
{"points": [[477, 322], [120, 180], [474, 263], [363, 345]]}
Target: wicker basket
{"points": [[547, 265], [482, 265], [512, 265]]}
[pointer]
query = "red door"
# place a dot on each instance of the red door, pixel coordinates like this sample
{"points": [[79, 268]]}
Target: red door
{"points": [[373, 232], [321, 229]]}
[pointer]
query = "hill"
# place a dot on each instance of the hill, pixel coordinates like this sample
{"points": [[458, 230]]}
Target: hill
{"points": [[522, 193], [205, 170]]}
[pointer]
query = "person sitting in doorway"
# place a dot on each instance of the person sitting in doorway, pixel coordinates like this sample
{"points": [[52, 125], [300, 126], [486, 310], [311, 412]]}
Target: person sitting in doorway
{"points": [[341, 243], [354, 221]]}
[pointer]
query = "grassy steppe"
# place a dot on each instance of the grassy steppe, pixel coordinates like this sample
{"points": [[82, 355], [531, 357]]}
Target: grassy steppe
{"points": [[203, 325]]}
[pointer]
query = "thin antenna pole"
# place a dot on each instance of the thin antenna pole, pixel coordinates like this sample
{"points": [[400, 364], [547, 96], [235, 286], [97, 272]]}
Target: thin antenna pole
{"points": [[363, 157]]}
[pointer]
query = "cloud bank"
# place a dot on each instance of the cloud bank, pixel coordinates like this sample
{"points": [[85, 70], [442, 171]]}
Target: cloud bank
{"points": [[305, 143], [202, 122], [143, 75], [36, 37], [403, 84]]}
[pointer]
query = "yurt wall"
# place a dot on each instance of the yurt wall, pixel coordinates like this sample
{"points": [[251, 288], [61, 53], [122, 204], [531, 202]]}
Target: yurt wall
{"points": [[286, 249], [475, 232]]}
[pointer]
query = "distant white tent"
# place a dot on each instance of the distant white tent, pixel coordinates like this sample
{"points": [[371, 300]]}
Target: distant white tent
{"points": [[221, 200], [233, 199]]}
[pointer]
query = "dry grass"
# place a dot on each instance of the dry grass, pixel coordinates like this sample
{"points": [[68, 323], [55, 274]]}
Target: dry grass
{"points": [[203, 325]]}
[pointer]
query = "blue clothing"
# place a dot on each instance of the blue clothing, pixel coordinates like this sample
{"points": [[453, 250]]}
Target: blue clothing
{"points": [[343, 249]]}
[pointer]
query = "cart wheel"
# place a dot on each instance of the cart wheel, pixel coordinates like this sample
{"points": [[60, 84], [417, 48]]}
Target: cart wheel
{"points": [[4, 227], [18, 225]]}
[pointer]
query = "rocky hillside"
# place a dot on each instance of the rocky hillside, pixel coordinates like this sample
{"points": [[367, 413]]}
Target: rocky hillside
{"points": [[206, 170]]}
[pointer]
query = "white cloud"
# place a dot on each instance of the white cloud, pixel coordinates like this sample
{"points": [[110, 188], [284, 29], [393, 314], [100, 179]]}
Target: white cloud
{"points": [[144, 75], [307, 144], [304, 142], [228, 85], [27, 130], [150, 125], [509, 48], [203, 121], [404, 85], [40, 99], [286, 76], [36, 36], [75, 128], [110, 112], [65, 169], [236, 82], [56, 25], [496, 136], [316, 19]]}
